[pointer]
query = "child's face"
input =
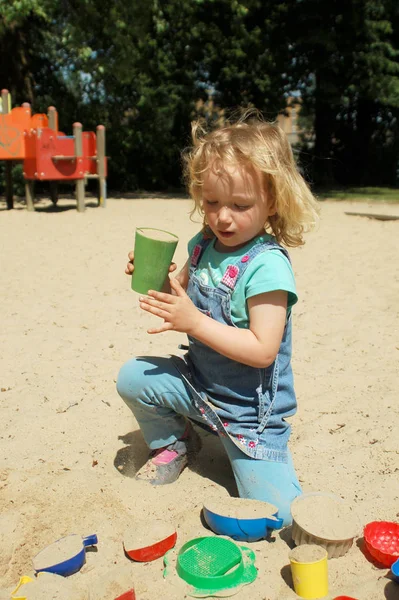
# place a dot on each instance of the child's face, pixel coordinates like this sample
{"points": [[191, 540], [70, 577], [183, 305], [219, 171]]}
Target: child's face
{"points": [[236, 206]]}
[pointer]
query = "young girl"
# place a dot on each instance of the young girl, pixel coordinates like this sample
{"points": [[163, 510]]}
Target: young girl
{"points": [[233, 298]]}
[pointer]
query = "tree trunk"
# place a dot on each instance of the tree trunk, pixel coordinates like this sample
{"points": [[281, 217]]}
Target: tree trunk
{"points": [[15, 72], [323, 172], [362, 169]]}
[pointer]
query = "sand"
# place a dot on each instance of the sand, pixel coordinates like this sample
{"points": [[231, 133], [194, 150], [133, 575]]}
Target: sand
{"points": [[241, 508], [69, 447], [142, 534], [307, 553], [52, 587]]}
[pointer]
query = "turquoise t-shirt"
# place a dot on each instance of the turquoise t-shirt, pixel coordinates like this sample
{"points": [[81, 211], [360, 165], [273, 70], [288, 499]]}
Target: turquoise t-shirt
{"points": [[267, 272]]}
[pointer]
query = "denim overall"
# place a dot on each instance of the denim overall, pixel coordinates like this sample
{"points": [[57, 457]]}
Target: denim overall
{"points": [[246, 403]]}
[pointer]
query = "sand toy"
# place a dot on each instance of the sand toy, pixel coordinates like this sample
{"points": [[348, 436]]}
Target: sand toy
{"points": [[65, 556], [242, 519], [395, 570], [144, 542], [326, 520], [153, 253], [382, 541], [129, 595], [215, 566], [309, 571], [49, 585]]}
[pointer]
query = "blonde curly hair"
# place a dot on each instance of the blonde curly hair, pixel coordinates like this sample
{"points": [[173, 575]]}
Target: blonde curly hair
{"points": [[264, 145]]}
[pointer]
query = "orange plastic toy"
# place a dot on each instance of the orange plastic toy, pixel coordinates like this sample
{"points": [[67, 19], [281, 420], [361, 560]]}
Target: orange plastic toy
{"points": [[13, 128], [48, 154]]}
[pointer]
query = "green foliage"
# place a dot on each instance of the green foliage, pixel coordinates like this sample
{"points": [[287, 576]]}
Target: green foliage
{"points": [[146, 69], [357, 194], [18, 180], [150, 67], [15, 12], [348, 77]]}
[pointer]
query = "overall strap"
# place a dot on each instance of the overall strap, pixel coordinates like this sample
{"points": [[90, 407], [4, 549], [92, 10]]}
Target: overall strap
{"points": [[235, 271], [197, 252]]}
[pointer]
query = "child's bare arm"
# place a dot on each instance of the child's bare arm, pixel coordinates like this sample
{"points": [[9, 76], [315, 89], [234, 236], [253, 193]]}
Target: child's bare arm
{"points": [[182, 276], [256, 346]]}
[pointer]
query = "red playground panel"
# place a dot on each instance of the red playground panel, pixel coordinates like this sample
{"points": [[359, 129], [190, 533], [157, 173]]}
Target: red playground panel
{"points": [[51, 156], [13, 128]]}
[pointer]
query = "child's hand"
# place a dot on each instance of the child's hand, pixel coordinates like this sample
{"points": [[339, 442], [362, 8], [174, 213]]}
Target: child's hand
{"points": [[130, 265], [177, 310]]}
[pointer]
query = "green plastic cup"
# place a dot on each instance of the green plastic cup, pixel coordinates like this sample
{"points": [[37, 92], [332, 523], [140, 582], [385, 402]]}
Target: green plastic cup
{"points": [[153, 253]]}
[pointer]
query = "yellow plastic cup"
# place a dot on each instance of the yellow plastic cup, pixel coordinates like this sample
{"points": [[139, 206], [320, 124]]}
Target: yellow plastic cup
{"points": [[309, 571]]}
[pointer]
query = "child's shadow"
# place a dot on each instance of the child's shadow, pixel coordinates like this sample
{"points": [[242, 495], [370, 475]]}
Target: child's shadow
{"points": [[211, 463], [133, 455]]}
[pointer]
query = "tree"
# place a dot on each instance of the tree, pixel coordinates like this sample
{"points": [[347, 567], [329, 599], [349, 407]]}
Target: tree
{"points": [[150, 66], [145, 69], [137, 80], [23, 27], [346, 66], [245, 52]]}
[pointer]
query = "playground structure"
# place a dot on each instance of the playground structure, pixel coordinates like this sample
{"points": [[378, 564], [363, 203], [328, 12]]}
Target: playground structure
{"points": [[48, 154]]}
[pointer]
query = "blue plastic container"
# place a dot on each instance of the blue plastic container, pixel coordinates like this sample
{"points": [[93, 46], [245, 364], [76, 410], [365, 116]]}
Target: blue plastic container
{"points": [[395, 570], [242, 530], [74, 563]]}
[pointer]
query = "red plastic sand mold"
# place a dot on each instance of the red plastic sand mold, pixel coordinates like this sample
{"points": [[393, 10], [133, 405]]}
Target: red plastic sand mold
{"points": [[382, 541], [148, 541], [129, 595]]}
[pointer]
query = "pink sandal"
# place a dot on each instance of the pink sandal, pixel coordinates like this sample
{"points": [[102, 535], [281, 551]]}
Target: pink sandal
{"points": [[165, 464]]}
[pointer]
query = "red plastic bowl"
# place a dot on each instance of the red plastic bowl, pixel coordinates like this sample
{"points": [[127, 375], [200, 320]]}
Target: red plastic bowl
{"points": [[336, 598], [382, 541]]}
